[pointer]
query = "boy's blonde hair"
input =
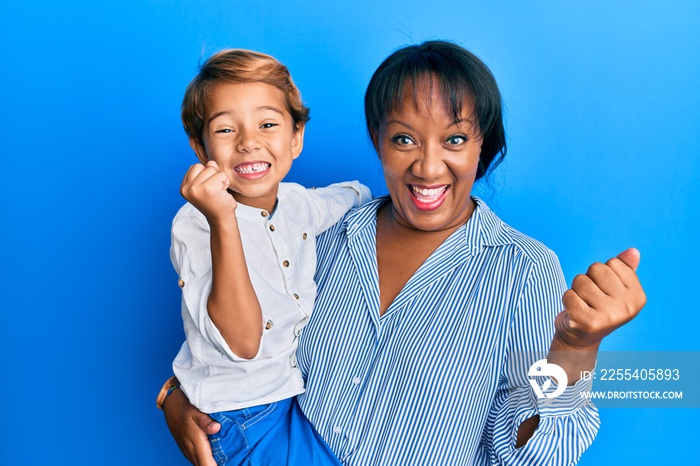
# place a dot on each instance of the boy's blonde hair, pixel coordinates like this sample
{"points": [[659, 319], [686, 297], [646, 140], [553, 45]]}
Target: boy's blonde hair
{"points": [[238, 66]]}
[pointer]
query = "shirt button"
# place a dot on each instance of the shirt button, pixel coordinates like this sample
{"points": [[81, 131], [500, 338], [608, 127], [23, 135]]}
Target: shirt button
{"points": [[181, 283], [268, 325], [356, 380], [285, 263], [337, 429], [293, 360], [304, 236], [296, 296], [264, 213], [272, 228]]}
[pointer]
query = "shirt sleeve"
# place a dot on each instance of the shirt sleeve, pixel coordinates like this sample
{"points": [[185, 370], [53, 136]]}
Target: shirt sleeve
{"points": [[568, 423], [329, 204], [190, 253]]}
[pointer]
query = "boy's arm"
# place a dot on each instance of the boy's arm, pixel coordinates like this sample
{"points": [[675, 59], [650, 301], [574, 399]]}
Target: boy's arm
{"points": [[332, 202], [232, 304]]}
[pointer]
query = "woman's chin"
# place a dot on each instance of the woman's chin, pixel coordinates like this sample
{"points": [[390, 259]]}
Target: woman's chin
{"points": [[426, 220], [433, 216], [427, 206]]}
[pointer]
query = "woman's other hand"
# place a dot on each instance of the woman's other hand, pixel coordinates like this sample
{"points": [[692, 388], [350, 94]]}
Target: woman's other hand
{"points": [[189, 427], [606, 297]]}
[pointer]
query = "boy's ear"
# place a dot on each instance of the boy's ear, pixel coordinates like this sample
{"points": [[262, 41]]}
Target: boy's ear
{"points": [[199, 149], [298, 140]]}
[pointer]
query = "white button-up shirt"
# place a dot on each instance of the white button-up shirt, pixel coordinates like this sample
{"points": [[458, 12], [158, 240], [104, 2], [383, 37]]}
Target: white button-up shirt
{"points": [[280, 252]]}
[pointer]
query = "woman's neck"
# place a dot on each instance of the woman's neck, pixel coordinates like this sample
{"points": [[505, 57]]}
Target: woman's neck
{"points": [[390, 222], [401, 250]]}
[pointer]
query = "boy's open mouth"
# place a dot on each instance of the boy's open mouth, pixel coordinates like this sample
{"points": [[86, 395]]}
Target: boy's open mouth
{"points": [[255, 167]]}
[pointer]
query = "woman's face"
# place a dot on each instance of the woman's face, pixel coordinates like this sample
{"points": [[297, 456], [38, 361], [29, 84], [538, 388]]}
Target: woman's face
{"points": [[429, 160]]}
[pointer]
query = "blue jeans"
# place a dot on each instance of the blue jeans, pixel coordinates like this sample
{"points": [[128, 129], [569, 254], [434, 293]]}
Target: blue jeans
{"points": [[273, 434]]}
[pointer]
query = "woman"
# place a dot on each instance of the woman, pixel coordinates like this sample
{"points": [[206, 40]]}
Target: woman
{"points": [[430, 310]]}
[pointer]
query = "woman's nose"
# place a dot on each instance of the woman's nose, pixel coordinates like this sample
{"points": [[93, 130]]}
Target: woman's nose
{"points": [[429, 165], [248, 141]]}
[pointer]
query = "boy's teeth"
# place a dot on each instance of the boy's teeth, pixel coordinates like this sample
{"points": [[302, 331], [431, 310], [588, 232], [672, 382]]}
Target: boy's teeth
{"points": [[428, 194], [252, 167]]}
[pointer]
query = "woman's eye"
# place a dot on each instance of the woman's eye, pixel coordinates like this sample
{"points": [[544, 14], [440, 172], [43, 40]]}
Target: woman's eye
{"points": [[456, 140], [402, 140]]}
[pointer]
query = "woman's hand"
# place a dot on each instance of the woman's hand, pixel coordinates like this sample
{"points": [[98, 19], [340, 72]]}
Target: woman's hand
{"points": [[189, 427], [206, 188], [607, 297]]}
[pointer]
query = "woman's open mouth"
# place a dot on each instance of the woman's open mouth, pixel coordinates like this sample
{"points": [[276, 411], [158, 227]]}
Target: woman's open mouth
{"points": [[428, 197]]}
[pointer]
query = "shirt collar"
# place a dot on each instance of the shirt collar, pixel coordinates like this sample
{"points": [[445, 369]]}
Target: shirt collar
{"points": [[482, 229], [363, 217], [254, 214]]}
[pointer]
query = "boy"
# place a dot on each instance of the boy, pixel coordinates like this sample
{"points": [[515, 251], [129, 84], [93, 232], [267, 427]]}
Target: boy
{"points": [[244, 250]]}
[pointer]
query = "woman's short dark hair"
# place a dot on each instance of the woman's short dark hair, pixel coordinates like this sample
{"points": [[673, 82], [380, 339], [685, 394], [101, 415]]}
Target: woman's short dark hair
{"points": [[462, 77]]}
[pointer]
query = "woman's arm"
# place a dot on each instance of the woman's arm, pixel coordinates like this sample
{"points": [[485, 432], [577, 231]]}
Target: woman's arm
{"points": [[605, 298], [522, 429], [189, 427]]}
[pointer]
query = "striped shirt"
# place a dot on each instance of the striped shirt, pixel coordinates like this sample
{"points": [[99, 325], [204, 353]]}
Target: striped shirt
{"points": [[428, 382]]}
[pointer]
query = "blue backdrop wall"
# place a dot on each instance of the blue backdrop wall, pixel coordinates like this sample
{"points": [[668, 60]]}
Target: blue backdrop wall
{"points": [[602, 102]]}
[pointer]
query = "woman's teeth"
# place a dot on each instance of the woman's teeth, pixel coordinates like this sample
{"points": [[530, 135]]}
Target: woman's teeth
{"points": [[428, 194]]}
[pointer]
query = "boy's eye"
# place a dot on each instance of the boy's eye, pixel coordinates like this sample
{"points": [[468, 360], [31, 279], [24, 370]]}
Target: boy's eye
{"points": [[456, 140], [268, 125], [402, 140], [224, 130]]}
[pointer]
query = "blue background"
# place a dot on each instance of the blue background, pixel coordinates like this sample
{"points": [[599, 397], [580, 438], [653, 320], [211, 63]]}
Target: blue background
{"points": [[602, 107]]}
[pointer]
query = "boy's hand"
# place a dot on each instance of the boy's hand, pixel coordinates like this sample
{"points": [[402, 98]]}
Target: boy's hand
{"points": [[607, 297], [206, 188]]}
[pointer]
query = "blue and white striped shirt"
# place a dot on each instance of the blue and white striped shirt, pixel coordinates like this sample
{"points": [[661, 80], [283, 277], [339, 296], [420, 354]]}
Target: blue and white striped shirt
{"points": [[427, 382]]}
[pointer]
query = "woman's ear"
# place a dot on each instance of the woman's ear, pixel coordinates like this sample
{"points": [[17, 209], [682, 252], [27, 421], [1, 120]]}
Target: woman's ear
{"points": [[375, 139], [298, 140], [199, 149]]}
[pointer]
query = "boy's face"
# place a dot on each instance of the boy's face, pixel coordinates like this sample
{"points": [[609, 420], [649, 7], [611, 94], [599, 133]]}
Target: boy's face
{"points": [[249, 133]]}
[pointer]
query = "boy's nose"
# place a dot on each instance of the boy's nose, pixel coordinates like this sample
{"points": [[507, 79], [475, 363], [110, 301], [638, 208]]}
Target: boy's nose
{"points": [[248, 142]]}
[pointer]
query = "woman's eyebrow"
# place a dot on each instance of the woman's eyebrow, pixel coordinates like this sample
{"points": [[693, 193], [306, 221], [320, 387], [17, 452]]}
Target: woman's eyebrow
{"points": [[399, 122], [456, 122], [459, 121]]}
